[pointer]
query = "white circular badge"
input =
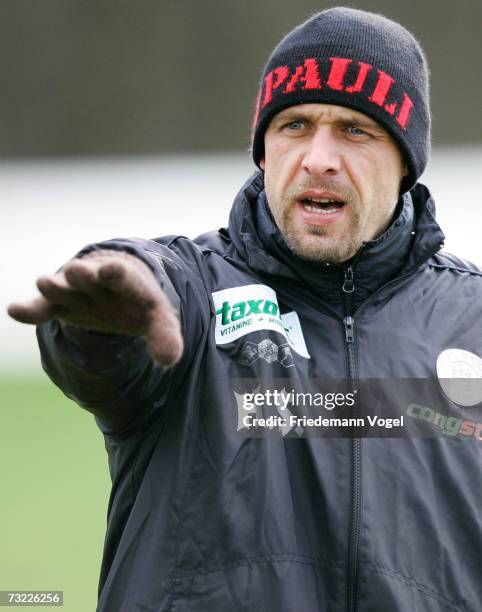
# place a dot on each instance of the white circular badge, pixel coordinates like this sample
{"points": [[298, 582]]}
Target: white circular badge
{"points": [[460, 376]]}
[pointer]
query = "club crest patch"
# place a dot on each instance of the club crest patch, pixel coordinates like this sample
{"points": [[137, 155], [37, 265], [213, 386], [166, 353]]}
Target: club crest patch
{"points": [[241, 310], [460, 376]]}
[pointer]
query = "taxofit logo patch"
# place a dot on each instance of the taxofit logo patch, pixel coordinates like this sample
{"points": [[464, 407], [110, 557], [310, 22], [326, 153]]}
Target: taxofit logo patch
{"points": [[241, 310]]}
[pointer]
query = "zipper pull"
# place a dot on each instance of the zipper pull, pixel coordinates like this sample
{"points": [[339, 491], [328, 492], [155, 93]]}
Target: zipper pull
{"points": [[349, 323], [348, 283]]}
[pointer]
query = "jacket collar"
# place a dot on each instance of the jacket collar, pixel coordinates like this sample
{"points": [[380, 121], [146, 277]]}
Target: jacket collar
{"points": [[411, 239]]}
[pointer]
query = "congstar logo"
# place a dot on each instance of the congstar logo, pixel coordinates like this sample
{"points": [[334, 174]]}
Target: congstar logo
{"points": [[241, 310]]}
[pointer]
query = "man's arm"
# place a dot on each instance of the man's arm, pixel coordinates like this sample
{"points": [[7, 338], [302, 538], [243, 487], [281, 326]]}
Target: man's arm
{"points": [[105, 328]]}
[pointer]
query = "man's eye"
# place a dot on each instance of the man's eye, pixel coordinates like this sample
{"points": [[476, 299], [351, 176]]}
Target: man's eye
{"points": [[355, 131], [295, 125]]}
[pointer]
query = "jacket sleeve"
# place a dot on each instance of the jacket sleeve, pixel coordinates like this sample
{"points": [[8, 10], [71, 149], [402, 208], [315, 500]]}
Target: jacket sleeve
{"points": [[114, 376]]}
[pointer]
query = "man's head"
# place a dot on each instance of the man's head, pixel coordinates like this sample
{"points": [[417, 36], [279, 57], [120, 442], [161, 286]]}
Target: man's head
{"points": [[342, 115]]}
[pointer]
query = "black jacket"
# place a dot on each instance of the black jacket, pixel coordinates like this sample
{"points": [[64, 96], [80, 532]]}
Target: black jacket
{"points": [[201, 519]]}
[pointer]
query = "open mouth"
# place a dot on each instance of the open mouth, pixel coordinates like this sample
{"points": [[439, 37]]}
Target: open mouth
{"points": [[322, 206]]}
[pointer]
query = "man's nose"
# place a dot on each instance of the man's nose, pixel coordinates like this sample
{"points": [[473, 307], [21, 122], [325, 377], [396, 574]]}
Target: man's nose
{"points": [[322, 155]]}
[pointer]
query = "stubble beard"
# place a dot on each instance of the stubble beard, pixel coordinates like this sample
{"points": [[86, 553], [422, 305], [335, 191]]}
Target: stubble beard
{"points": [[316, 243]]}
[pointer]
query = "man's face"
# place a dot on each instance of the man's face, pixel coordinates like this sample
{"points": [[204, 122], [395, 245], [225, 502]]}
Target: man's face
{"points": [[332, 178]]}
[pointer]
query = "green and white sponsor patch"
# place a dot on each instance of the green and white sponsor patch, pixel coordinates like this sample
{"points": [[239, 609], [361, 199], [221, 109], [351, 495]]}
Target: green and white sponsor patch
{"points": [[249, 308]]}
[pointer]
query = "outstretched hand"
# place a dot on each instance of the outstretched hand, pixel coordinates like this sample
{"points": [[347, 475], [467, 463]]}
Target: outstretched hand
{"points": [[112, 292]]}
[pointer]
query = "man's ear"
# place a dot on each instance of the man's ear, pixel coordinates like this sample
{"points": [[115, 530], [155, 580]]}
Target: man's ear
{"points": [[261, 163]]}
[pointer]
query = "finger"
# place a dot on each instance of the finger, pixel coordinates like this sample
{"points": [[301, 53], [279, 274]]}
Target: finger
{"points": [[82, 275], [57, 290], [35, 312], [164, 338], [112, 274], [131, 278]]}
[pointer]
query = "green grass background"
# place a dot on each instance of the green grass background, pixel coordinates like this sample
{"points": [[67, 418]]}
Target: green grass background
{"points": [[54, 493]]}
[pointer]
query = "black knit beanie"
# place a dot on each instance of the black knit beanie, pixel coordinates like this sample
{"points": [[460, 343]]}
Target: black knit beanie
{"points": [[356, 59]]}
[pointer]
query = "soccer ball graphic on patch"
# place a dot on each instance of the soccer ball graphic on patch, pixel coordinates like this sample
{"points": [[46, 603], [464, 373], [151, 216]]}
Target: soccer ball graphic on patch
{"points": [[268, 350]]}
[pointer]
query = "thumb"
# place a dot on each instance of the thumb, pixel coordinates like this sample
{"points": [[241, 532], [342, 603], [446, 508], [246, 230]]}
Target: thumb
{"points": [[164, 336]]}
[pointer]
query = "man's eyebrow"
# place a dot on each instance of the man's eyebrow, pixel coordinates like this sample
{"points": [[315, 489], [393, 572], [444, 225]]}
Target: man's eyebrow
{"points": [[344, 119], [361, 121], [289, 115]]}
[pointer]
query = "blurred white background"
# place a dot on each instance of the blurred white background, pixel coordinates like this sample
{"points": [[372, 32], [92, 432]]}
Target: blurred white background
{"points": [[49, 210]]}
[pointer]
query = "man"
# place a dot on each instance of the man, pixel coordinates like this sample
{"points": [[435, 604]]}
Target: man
{"points": [[335, 239]]}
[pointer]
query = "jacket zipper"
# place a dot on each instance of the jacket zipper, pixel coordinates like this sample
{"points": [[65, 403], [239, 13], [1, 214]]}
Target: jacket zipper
{"points": [[348, 288], [349, 325], [352, 571]]}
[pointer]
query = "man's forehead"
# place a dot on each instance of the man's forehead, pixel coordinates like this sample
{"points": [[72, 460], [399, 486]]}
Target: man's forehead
{"points": [[326, 112]]}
